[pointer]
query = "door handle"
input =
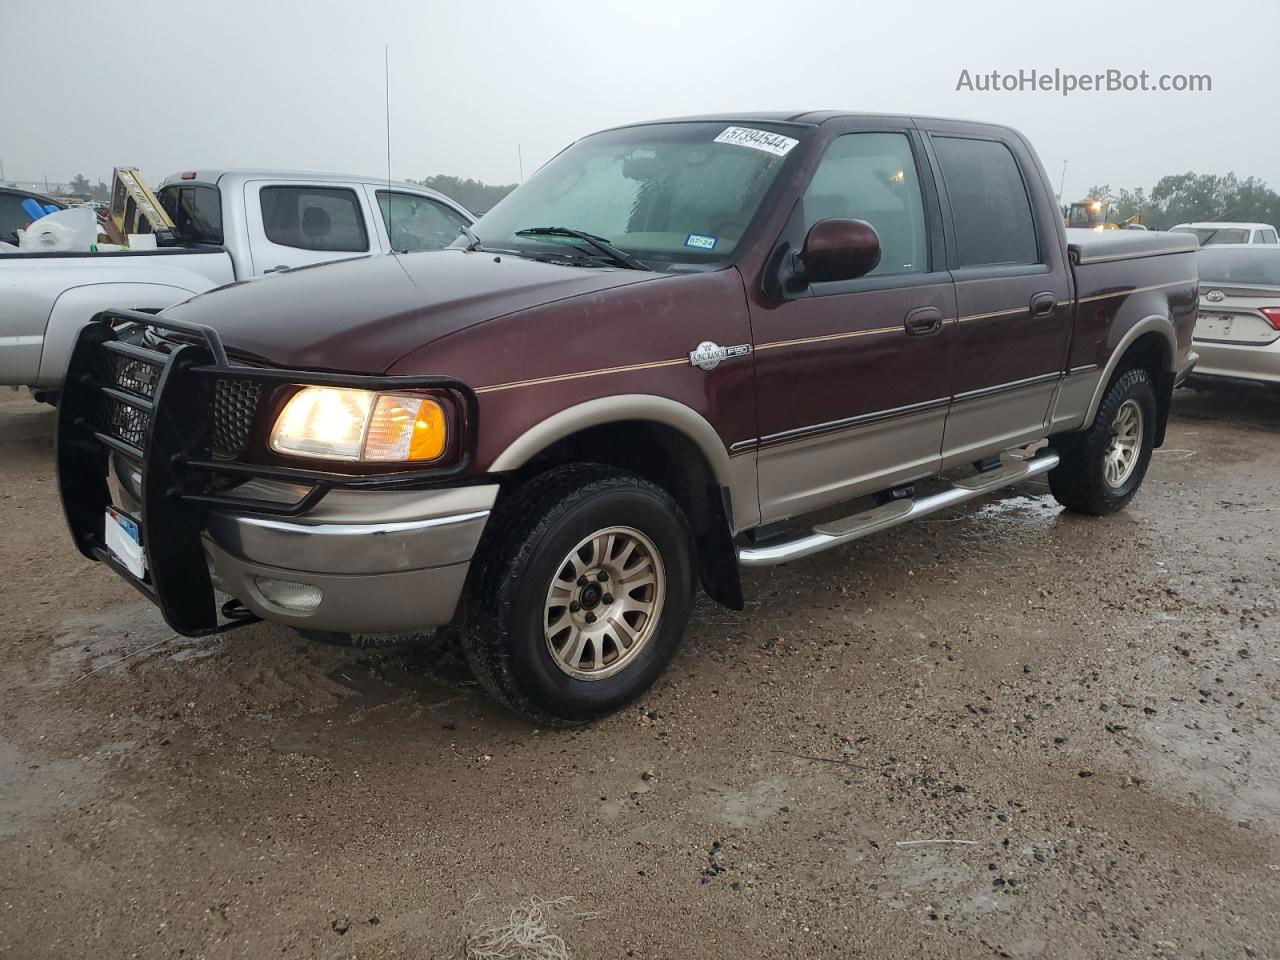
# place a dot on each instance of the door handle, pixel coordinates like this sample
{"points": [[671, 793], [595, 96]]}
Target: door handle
{"points": [[923, 321], [1043, 305]]}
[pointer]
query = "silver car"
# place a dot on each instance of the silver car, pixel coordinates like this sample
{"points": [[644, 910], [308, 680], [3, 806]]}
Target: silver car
{"points": [[1238, 331]]}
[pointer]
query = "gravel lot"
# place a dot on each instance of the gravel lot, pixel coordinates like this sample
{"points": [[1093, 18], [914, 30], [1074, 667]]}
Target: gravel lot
{"points": [[1090, 705]]}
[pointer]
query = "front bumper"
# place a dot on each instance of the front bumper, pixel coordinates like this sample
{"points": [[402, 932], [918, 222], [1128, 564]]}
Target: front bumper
{"points": [[350, 552], [378, 561]]}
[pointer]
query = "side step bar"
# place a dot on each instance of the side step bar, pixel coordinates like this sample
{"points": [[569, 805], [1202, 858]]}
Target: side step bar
{"points": [[859, 525]]}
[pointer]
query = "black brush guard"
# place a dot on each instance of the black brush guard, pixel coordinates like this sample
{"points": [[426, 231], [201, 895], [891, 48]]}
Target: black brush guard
{"points": [[157, 410]]}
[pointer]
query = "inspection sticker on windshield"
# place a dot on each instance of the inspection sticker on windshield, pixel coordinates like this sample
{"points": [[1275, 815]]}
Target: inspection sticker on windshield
{"points": [[774, 143], [699, 241]]}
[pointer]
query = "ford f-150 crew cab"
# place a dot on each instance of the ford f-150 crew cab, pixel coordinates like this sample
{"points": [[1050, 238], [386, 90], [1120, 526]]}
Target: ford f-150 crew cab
{"points": [[651, 365], [233, 225]]}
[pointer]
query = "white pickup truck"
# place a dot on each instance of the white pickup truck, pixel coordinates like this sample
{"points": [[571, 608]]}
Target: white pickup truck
{"points": [[233, 225]]}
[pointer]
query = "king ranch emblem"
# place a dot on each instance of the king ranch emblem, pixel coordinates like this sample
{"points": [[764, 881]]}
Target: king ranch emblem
{"points": [[708, 354]]}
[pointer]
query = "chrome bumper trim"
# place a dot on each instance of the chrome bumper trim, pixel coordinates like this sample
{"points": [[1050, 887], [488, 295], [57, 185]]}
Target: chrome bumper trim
{"points": [[360, 529], [362, 534]]}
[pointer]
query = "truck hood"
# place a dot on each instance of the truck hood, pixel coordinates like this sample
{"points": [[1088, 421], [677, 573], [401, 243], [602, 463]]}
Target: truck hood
{"points": [[360, 316]]}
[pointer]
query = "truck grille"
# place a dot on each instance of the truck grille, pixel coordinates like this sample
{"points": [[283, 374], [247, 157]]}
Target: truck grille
{"points": [[234, 404], [119, 419]]}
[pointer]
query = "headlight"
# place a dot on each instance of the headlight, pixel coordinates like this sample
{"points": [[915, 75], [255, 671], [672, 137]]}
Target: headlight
{"points": [[338, 423]]}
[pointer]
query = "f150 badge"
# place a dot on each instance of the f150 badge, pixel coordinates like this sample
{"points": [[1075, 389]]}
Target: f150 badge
{"points": [[709, 354]]}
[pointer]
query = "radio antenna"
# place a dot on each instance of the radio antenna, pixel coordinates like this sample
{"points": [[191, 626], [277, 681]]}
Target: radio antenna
{"points": [[386, 77]]}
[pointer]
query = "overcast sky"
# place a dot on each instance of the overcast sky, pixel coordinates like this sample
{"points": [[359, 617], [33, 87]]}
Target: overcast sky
{"points": [[293, 85]]}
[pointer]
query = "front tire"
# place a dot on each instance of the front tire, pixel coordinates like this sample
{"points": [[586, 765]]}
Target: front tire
{"points": [[581, 596], [1103, 467]]}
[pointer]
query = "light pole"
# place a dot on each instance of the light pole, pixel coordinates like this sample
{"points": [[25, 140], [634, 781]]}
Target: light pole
{"points": [[1062, 180]]}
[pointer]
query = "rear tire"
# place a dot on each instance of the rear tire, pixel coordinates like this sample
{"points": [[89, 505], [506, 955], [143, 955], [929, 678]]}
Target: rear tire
{"points": [[1103, 467], [580, 593]]}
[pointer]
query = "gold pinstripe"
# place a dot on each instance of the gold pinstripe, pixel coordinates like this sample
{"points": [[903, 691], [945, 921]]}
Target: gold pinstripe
{"points": [[538, 381], [802, 341], [1125, 293], [849, 335], [993, 313]]}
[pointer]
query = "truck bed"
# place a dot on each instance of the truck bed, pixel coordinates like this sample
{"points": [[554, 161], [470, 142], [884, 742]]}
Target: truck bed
{"points": [[1095, 246], [45, 298], [1114, 295]]}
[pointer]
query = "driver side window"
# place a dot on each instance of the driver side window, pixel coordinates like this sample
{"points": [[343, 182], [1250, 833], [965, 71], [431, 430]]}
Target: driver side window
{"points": [[872, 177]]}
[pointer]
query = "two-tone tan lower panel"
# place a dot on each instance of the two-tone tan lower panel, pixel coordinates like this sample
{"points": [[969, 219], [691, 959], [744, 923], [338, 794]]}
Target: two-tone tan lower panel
{"points": [[987, 423], [809, 473], [1074, 396]]}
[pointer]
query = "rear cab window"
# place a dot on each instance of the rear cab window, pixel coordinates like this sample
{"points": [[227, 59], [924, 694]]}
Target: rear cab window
{"points": [[1258, 268], [1212, 235], [327, 219], [196, 211], [990, 207]]}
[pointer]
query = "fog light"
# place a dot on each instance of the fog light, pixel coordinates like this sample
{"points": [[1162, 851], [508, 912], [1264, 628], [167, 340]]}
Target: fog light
{"points": [[298, 597]]}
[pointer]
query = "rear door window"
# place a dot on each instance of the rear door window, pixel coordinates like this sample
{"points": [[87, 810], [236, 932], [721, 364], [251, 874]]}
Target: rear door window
{"points": [[314, 218], [989, 203], [1267, 236]]}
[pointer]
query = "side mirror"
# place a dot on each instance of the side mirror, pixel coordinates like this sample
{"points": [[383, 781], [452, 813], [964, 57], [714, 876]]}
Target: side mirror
{"points": [[837, 250]]}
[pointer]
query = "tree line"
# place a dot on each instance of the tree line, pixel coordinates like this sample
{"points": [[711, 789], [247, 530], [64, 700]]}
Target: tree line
{"points": [[472, 194], [1187, 197]]}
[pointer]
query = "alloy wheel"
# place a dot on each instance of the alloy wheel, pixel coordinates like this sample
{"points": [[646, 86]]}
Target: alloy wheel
{"points": [[604, 603], [1125, 446]]}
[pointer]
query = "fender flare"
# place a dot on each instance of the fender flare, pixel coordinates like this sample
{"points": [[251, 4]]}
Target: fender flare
{"points": [[718, 565], [627, 406], [1156, 322]]}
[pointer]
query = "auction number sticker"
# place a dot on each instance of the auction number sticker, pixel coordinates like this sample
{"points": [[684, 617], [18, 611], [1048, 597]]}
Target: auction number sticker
{"points": [[774, 143], [700, 241]]}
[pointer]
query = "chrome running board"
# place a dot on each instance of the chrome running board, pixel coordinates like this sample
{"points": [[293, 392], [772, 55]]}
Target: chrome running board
{"points": [[847, 529]]}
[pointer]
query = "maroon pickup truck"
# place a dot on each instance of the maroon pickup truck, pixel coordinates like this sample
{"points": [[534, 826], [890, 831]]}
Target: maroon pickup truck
{"points": [[651, 365]]}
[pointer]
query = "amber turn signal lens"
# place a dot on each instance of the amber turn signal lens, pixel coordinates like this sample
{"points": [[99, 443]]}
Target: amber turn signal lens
{"points": [[406, 427]]}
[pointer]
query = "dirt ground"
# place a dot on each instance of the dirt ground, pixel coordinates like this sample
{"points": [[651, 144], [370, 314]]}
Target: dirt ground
{"points": [[1087, 708]]}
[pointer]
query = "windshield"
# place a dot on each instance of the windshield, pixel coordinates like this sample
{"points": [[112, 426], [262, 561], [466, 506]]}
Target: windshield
{"points": [[1211, 235], [1248, 266], [673, 195]]}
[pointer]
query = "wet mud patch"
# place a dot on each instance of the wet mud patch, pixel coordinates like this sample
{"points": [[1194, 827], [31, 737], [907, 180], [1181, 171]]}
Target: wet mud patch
{"points": [[390, 696]]}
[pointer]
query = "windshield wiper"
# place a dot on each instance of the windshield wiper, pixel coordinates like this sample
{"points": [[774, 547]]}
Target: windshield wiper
{"points": [[620, 257]]}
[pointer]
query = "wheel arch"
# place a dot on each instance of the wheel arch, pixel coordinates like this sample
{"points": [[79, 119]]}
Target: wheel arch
{"points": [[1152, 345], [663, 441]]}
